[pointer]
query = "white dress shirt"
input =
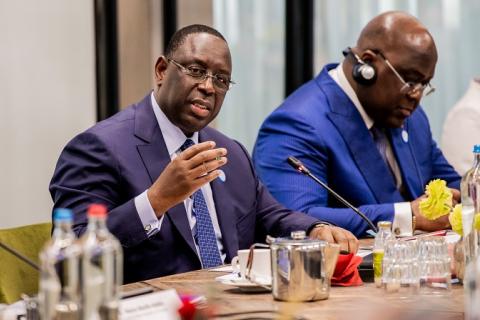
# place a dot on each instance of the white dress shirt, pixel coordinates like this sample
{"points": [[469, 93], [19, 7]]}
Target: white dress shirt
{"points": [[402, 221], [461, 130], [174, 139]]}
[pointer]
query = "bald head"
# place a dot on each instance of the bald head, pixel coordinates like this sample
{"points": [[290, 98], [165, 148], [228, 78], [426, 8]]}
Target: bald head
{"points": [[397, 31], [402, 54]]}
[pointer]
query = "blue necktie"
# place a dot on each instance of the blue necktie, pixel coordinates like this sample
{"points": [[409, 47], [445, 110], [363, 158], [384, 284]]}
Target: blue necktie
{"points": [[381, 142], [205, 234]]}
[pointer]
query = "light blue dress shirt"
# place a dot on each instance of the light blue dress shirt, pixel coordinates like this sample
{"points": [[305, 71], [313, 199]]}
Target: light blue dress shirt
{"points": [[174, 139]]}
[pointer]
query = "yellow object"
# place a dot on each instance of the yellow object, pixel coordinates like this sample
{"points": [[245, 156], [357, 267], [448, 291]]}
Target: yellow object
{"points": [[16, 276], [455, 219], [378, 267], [439, 200], [476, 221]]}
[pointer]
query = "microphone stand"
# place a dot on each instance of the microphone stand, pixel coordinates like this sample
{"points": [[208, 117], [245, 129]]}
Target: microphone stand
{"points": [[20, 256], [300, 167]]}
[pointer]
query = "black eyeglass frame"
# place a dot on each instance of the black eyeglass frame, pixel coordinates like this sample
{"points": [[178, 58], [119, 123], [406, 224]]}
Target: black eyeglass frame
{"points": [[201, 74]]}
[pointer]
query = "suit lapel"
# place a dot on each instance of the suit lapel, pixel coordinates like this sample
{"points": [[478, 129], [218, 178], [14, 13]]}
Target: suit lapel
{"points": [[155, 157], [406, 161], [225, 215], [352, 128]]}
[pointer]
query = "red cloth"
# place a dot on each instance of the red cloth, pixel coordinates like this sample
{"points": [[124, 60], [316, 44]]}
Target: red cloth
{"points": [[346, 271], [187, 310]]}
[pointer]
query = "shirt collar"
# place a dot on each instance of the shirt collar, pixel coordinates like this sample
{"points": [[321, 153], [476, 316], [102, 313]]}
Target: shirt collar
{"points": [[339, 77], [173, 136]]}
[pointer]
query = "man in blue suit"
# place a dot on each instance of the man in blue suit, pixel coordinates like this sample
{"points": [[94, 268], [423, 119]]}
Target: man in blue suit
{"points": [[358, 127], [175, 202]]}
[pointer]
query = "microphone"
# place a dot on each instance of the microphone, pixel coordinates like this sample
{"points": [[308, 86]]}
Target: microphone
{"points": [[19, 256], [300, 167]]}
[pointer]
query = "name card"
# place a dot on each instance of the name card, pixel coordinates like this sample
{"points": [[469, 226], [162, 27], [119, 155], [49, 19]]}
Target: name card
{"points": [[156, 305]]}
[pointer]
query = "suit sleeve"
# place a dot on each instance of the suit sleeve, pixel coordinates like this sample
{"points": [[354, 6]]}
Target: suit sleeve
{"points": [[441, 169], [282, 136], [87, 172], [272, 217]]}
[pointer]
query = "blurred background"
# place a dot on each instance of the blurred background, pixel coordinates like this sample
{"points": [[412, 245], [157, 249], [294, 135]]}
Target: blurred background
{"points": [[66, 64]]}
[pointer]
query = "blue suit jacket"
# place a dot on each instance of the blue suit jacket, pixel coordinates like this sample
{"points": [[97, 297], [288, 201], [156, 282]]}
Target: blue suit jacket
{"points": [[319, 125], [121, 157]]}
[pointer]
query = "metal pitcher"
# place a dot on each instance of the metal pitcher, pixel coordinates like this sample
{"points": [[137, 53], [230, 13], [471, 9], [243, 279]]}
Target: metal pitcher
{"points": [[302, 267]]}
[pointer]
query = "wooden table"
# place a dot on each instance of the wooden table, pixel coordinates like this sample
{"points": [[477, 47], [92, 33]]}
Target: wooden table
{"points": [[363, 302]]}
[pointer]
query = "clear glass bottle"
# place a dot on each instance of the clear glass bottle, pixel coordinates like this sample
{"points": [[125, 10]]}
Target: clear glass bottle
{"points": [[102, 265], [59, 286], [384, 233], [471, 285], [470, 194]]}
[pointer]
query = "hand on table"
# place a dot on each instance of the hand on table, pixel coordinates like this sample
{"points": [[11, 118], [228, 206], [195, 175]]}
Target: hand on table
{"points": [[425, 224], [455, 196], [332, 234]]}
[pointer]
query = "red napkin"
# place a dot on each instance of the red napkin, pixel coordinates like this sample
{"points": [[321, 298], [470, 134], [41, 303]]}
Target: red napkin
{"points": [[346, 271], [188, 309]]}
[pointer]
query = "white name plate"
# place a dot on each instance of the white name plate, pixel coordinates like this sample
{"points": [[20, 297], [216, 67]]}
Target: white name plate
{"points": [[156, 305]]}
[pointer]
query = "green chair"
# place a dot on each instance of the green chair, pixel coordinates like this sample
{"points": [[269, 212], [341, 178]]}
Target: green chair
{"points": [[16, 276]]}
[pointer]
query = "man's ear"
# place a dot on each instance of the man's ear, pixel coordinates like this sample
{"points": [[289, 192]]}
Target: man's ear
{"points": [[368, 56], [160, 69]]}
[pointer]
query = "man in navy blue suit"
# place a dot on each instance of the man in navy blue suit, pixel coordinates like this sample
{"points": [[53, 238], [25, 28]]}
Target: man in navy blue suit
{"points": [[175, 202], [359, 127]]}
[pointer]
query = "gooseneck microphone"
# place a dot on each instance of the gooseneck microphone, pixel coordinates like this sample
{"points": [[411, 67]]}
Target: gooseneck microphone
{"points": [[300, 167], [19, 256]]}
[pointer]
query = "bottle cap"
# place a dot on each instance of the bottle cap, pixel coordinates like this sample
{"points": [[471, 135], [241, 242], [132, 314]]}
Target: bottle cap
{"points": [[97, 210], [476, 148], [384, 224], [62, 214]]}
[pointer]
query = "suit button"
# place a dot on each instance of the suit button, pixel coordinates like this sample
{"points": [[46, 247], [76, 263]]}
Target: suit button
{"points": [[397, 231]]}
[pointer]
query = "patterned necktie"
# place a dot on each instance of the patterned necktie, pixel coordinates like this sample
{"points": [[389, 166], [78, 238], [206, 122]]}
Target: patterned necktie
{"points": [[205, 234], [381, 142]]}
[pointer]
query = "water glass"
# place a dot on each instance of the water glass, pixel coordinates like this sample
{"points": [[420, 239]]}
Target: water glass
{"points": [[434, 265], [400, 267], [31, 307]]}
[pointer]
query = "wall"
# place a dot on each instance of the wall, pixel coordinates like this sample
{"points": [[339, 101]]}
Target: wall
{"points": [[140, 41], [139, 44], [47, 95]]}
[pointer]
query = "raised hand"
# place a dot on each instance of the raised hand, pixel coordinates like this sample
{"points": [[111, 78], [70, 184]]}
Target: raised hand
{"points": [[187, 173]]}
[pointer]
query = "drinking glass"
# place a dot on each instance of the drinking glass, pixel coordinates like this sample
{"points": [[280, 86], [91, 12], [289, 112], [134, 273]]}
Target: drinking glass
{"points": [[434, 265], [400, 268], [31, 307]]}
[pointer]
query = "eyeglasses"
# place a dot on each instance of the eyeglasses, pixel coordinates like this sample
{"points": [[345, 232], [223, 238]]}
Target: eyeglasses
{"points": [[221, 82], [409, 88]]}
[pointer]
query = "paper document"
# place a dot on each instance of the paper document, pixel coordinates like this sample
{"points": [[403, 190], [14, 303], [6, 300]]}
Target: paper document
{"points": [[157, 305], [222, 269]]}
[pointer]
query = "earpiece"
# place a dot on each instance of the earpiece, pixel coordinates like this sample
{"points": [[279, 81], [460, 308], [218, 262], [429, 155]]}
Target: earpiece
{"points": [[362, 72]]}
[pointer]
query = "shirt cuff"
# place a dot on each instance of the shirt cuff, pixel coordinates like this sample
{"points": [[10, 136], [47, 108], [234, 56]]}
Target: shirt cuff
{"points": [[151, 224], [402, 222]]}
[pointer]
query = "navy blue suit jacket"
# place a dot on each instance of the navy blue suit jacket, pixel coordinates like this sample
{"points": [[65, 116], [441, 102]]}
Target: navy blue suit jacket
{"points": [[319, 125], [121, 157]]}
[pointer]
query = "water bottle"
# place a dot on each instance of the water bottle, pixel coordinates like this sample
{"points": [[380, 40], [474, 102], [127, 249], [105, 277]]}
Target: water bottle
{"points": [[471, 285], [59, 286], [102, 267], [384, 233], [470, 194]]}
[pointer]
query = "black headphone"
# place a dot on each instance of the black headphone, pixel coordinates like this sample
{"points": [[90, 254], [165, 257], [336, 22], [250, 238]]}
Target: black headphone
{"points": [[362, 72]]}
